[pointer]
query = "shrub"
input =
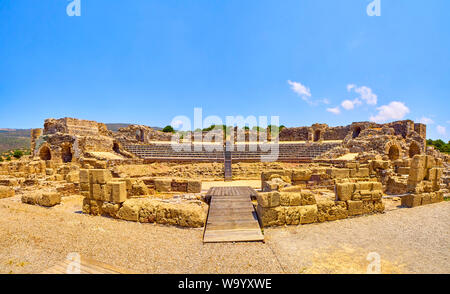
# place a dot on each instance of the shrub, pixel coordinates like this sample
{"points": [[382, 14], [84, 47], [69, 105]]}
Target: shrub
{"points": [[18, 154], [8, 158], [168, 129], [439, 145]]}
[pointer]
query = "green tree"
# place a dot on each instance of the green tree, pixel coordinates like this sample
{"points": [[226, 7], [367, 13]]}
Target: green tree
{"points": [[18, 154], [168, 129]]}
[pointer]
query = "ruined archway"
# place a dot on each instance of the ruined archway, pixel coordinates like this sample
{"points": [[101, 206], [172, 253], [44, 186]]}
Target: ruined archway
{"points": [[414, 149], [116, 148], [317, 135], [44, 153], [66, 153], [394, 152], [356, 132]]}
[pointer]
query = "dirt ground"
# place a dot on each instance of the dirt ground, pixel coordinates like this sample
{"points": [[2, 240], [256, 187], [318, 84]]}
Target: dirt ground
{"points": [[415, 240]]}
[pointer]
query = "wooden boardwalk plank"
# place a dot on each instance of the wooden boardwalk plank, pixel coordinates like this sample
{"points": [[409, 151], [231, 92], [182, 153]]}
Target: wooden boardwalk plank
{"points": [[231, 216]]}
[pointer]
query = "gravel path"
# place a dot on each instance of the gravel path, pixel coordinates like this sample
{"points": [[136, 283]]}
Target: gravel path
{"points": [[413, 240], [33, 239]]}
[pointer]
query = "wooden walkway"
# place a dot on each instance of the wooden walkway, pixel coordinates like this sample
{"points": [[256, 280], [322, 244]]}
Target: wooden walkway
{"points": [[231, 216], [87, 266]]}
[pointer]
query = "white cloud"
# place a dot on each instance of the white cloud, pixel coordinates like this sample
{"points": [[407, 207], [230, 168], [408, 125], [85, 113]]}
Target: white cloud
{"points": [[365, 93], [448, 121], [426, 120], [305, 93], [350, 87], [349, 105], [441, 130], [325, 101], [300, 89], [393, 111], [335, 110]]}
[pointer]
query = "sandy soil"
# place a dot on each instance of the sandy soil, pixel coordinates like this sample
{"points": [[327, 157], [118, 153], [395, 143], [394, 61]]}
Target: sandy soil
{"points": [[34, 238]]}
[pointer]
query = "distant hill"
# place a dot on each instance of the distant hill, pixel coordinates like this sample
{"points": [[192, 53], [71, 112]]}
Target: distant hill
{"points": [[14, 139], [20, 138]]}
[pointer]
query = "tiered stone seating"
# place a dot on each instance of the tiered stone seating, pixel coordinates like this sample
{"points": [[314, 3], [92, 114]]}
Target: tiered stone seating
{"points": [[291, 152]]}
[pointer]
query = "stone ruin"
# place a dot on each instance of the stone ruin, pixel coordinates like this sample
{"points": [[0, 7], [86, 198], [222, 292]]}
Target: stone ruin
{"points": [[322, 174]]}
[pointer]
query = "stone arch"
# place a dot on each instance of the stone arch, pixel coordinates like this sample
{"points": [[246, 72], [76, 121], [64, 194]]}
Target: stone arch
{"points": [[116, 147], [45, 153], [393, 150], [66, 152], [414, 149], [356, 132], [140, 135], [317, 135]]}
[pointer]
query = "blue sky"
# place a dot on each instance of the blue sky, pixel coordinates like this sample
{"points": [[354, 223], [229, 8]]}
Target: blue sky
{"points": [[147, 61]]}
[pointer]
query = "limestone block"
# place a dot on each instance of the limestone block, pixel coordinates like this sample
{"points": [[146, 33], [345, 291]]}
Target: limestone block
{"points": [[418, 161], [426, 199], [163, 185], [194, 186], [73, 177], [434, 197], [359, 173], [403, 170], [6, 192], [416, 174], [366, 195], [377, 195], [440, 196], [96, 207], [412, 200], [30, 198], [308, 214], [290, 198], [110, 209], [378, 206], [100, 192], [84, 176], [430, 161], [130, 210], [49, 171], [9, 182], [338, 173], [84, 187], [354, 207], [297, 188], [377, 186], [118, 192], [138, 189], [301, 175], [49, 199], [329, 210], [86, 206], [292, 215], [100, 176], [368, 207], [344, 191], [148, 211], [167, 214], [364, 186], [307, 198], [268, 199]]}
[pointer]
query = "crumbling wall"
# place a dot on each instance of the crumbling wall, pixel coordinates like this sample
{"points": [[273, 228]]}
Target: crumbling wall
{"points": [[115, 197]]}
